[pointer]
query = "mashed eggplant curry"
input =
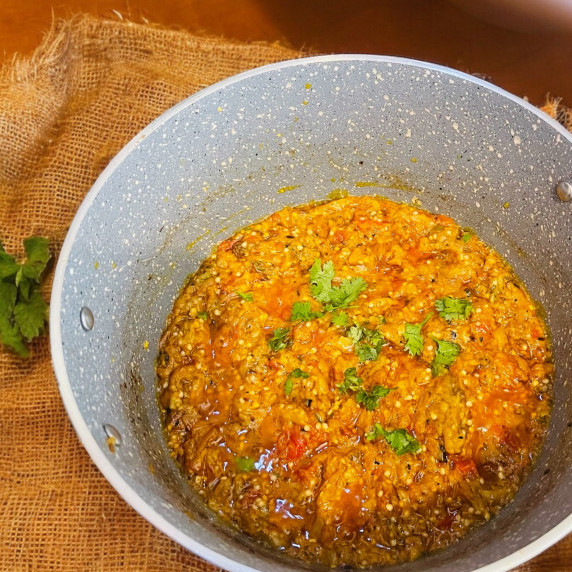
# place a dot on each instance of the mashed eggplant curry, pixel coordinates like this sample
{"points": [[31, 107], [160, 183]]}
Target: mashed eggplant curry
{"points": [[355, 382]]}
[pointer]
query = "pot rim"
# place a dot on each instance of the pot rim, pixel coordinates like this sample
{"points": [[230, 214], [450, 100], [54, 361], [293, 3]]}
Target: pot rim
{"points": [[97, 455]]}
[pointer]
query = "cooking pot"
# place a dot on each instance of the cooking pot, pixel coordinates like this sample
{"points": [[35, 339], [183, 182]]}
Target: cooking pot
{"points": [[287, 134]]}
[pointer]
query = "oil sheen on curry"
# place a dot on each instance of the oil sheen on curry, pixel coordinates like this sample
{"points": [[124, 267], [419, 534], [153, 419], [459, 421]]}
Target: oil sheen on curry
{"points": [[355, 382]]}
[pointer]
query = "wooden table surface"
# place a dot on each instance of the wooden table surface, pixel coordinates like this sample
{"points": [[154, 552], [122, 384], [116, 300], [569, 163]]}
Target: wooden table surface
{"points": [[528, 58]]}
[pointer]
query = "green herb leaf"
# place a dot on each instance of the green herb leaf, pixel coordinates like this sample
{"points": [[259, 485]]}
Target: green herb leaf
{"points": [[289, 383], [413, 338], [453, 308], [30, 315], [203, 315], [370, 399], [288, 386], [352, 382], [9, 333], [400, 440], [37, 257], [368, 343], [23, 311], [467, 235], [245, 464], [347, 292], [340, 319], [246, 296], [365, 352], [8, 265], [279, 339], [445, 356], [321, 280], [301, 311], [321, 288]]}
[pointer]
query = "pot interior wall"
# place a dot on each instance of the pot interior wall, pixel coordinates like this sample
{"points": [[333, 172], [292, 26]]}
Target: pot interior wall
{"points": [[288, 135]]}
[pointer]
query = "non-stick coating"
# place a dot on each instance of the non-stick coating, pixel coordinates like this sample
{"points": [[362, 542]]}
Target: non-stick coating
{"points": [[287, 134]]}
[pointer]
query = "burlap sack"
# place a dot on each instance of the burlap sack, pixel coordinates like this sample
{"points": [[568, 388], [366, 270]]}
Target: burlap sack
{"points": [[89, 88], [64, 112]]}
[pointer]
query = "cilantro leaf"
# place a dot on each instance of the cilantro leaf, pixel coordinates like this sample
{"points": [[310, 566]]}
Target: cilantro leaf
{"points": [[333, 297], [400, 440], [356, 333], [37, 257], [445, 356], [8, 265], [347, 292], [245, 464], [413, 338], [352, 382], [246, 296], [467, 235], [453, 308], [279, 339], [23, 311], [321, 280], [9, 333], [289, 383], [368, 343], [302, 311], [203, 315], [30, 316], [370, 399], [340, 319], [365, 352]]}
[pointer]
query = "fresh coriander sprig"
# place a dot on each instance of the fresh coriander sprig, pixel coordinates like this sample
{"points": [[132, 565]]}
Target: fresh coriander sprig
{"points": [[445, 356], [302, 311], [370, 399], [23, 311], [453, 308], [352, 381], [367, 343], [333, 297], [289, 383], [246, 296], [413, 338], [340, 319], [279, 339], [400, 440]]}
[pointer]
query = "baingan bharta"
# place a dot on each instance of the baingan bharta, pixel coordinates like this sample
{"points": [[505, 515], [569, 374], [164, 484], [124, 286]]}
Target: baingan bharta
{"points": [[355, 382]]}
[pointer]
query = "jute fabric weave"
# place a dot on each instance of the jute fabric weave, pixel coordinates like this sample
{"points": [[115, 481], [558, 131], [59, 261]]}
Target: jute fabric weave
{"points": [[64, 112]]}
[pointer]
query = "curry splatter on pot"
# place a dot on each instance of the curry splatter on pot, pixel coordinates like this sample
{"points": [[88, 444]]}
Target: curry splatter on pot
{"points": [[281, 135]]}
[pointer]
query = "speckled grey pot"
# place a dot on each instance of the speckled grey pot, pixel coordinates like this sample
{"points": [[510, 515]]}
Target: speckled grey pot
{"points": [[281, 135]]}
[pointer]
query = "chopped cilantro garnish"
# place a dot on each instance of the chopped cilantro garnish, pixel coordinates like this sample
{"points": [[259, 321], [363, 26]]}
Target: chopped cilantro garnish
{"points": [[23, 311], [352, 382], [246, 296], [467, 235], [370, 399], [445, 356], [302, 311], [346, 293], [368, 343], [321, 280], [333, 297], [289, 383], [453, 308], [279, 339], [340, 319], [245, 464], [413, 337], [400, 440], [203, 315]]}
